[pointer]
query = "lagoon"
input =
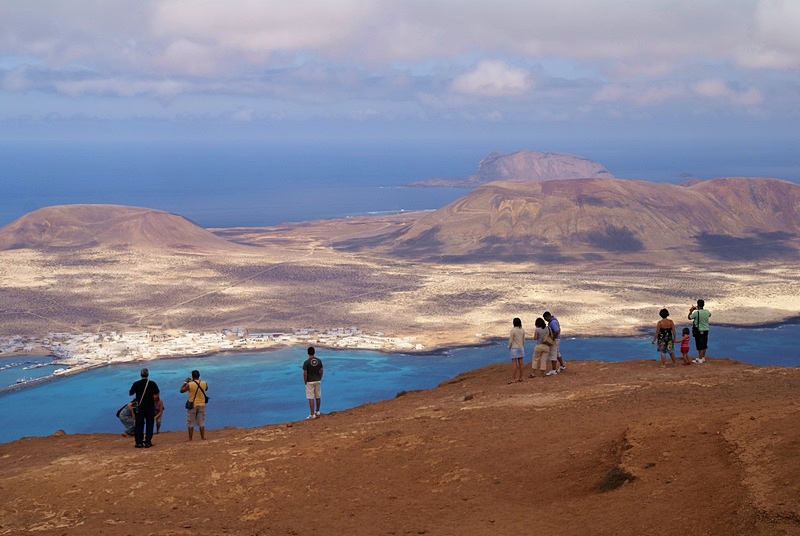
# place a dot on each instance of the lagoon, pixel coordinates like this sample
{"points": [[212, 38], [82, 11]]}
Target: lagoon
{"points": [[259, 388]]}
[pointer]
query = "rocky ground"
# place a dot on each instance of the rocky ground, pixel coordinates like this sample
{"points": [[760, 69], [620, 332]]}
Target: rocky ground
{"points": [[622, 448]]}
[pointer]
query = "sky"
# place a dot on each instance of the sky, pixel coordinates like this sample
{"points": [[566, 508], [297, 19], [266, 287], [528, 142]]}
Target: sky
{"points": [[525, 74]]}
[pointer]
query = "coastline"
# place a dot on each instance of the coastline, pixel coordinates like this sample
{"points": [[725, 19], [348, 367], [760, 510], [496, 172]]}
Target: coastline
{"points": [[432, 351]]}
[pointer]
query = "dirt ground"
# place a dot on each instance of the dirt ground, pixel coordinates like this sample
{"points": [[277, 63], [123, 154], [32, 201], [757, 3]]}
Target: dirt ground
{"points": [[603, 448]]}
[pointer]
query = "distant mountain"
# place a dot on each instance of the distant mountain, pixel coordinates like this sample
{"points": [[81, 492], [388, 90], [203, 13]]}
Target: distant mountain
{"points": [[110, 226], [727, 218], [528, 166]]}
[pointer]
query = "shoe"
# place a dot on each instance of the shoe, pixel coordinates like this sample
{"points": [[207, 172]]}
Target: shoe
{"points": [[701, 360], [139, 445], [148, 445], [552, 373], [562, 368], [318, 414], [312, 416], [695, 360]]}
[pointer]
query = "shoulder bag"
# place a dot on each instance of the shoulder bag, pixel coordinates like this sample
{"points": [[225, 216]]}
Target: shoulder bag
{"points": [[548, 337], [139, 402], [190, 403]]}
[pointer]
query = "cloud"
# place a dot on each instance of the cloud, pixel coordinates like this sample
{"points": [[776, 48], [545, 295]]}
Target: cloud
{"points": [[776, 42], [492, 78], [407, 56], [16, 79], [162, 90], [716, 88], [243, 115], [640, 96]]}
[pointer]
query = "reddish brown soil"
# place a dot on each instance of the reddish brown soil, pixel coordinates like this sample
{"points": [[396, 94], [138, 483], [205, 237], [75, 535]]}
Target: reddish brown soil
{"points": [[607, 449]]}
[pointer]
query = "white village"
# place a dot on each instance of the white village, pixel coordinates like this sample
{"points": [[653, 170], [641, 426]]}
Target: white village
{"points": [[73, 353]]}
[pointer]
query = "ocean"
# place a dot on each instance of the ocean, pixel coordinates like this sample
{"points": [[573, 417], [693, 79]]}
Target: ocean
{"points": [[255, 389], [230, 184], [248, 183]]}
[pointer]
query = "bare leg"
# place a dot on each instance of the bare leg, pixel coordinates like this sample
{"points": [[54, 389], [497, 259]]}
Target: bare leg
{"points": [[202, 432], [311, 406], [191, 433]]}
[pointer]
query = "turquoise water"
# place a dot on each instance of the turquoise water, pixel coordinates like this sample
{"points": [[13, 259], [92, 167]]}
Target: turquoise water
{"points": [[255, 389]]}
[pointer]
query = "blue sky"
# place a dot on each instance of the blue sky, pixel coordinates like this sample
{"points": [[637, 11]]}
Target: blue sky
{"points": [[513, 72]]}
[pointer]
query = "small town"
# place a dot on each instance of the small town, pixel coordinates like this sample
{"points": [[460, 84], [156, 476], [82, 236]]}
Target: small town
{"points": [[76, 352]]}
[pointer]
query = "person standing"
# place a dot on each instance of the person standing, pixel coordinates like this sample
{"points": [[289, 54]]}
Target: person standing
{"points": [[159, 409], [665, 335], [195, 403], [516, 349], [144, 390], [312, 377], [555, 349], [699, 317], [685, 346], [541, 351]]}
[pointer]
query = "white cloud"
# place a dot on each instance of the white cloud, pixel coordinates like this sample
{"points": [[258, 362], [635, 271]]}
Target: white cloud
{"points": [[492, 78], [716, 88], [244, 115], [410, 55]]}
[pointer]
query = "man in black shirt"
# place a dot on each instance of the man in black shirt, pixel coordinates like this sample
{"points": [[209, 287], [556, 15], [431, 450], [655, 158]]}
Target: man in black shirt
{"points": [[144, 390], [312, 376]]}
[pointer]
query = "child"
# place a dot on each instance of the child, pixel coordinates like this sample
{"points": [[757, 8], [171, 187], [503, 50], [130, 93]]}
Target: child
{"points": [[159, 409], [516, 349], [685, 347]]}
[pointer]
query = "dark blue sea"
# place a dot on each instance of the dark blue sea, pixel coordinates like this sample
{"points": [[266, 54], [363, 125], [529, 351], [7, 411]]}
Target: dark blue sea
{"points": [[252, 183], [254, 389]]}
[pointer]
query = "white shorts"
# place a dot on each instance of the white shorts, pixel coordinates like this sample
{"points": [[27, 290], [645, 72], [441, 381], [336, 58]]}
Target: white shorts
{"points": [[554, 353], [313, 390]]}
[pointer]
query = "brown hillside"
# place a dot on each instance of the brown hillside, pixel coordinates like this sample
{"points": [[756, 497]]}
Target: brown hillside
{"points": [[108, 226], [601, 449], [730, 218]]}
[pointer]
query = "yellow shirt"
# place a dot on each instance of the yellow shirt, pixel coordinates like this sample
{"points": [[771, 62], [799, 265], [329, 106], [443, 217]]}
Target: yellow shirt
{"points": [[199, 399]]}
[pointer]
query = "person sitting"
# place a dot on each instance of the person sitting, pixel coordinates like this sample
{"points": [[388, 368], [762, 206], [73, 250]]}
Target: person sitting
{"points": [[127, 416]]}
